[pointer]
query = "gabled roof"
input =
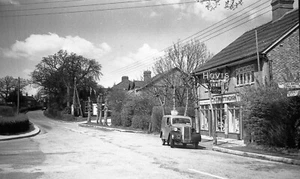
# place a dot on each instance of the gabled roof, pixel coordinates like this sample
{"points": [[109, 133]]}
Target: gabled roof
{"points": [[245, 46], [159, 77]]}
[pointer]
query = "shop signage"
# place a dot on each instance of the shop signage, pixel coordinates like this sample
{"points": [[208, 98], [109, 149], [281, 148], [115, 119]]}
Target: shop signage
{"points": [[289, 85], [228, 98], [293, 93], [216, 89]]}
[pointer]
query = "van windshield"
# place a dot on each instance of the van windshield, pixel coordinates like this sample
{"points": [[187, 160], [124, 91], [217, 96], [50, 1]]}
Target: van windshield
{"points": [[181, 121]]}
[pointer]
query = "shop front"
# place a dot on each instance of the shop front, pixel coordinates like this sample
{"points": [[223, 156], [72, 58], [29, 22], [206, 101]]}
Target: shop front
{"points": [[227, 115]]}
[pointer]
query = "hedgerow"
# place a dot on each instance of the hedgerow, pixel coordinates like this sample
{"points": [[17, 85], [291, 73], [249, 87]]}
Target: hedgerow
{"points": [[14, 124], [271, 118]]}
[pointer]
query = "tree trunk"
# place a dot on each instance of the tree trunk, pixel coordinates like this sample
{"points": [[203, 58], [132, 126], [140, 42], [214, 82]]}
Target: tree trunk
{"points": [[68, 96], [99, 109], [187, 102], [105, 111], [89, 110]]}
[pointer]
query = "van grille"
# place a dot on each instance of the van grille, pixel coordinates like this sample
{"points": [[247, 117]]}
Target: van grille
{"points": [[186, 133]]}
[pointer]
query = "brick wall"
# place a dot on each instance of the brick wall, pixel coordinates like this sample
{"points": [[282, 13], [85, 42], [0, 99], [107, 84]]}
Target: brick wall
{"points": [[285, 59]]}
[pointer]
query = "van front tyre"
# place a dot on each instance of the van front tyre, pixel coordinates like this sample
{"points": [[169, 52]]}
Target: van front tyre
{"points": [[172, 143]]}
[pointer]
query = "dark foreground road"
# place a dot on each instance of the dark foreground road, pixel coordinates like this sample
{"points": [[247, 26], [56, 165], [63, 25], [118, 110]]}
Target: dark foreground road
{"points": [[65, 150]]}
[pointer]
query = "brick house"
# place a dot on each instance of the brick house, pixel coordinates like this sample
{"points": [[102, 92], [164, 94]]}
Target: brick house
{"points": [[268, 52]]}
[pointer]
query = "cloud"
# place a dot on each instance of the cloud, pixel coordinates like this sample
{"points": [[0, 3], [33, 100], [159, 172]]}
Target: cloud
{"points": [[143, 56], [132, 65], [153, 14], [37, 46], [11, 2]]}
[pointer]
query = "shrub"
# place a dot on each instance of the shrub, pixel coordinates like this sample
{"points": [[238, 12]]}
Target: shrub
{"points": [[14, 124], [6, 111], [270, 117], [141, 121], [116, 118]]}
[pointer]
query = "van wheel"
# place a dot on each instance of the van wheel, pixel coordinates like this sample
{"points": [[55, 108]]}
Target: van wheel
{"points": [[196, 145], [172, 143], [184, 144], [163, 141]]}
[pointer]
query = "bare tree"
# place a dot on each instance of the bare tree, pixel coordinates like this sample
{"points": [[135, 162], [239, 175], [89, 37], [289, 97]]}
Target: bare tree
{"points": [[8, 84], [186, 57]]}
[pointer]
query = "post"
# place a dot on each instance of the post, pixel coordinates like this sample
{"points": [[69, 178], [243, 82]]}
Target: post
{"points": [[213, 119], [99, 109], [89, 110], [257, 54], [18, 96]]}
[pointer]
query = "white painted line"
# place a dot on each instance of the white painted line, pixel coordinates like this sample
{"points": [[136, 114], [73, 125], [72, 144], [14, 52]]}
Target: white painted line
{"points": [[208, 174]]}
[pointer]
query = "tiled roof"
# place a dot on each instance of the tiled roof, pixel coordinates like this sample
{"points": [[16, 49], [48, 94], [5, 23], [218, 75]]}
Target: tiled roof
{"points": [[245, 46], [158, 77]]}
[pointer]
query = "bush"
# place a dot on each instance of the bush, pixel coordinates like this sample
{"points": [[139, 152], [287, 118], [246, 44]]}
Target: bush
{"points": [[14, 124], [6, 111], [116, 118], [141, 121], [270, 117]]}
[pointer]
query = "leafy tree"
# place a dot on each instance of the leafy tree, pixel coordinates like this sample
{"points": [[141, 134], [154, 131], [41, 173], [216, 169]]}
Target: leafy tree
{"points": [[9, 84], [57, 74]]}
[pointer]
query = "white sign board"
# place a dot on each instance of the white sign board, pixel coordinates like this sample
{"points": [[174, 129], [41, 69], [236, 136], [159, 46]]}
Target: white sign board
{"points": [[293, 93]]}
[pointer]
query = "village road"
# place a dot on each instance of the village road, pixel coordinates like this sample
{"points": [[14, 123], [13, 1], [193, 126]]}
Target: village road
{"points": [[65, 150]]}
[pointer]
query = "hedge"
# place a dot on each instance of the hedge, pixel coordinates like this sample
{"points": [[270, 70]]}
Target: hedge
{"points": [[6, 111], [270, 117], [14, 124]]}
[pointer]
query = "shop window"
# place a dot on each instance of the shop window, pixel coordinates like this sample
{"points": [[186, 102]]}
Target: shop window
{"points": [[245, 75], [205, 113], [220, 118], [234, 119]]}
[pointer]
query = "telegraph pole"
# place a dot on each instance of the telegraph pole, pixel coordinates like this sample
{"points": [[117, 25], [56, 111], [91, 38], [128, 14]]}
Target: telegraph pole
{"points": [[18, 96]]}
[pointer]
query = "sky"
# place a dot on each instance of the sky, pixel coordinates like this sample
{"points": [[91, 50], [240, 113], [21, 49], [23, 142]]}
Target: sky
{"points": [[124, 36]]}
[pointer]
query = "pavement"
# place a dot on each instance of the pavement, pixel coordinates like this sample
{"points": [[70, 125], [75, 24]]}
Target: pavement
{"points": [[225, 145]]}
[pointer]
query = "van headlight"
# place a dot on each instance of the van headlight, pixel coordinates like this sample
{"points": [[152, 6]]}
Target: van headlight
{"points": [[176, 129]]}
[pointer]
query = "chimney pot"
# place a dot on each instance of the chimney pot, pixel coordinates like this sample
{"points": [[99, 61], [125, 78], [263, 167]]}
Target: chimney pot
{"points": [[280, 7]]}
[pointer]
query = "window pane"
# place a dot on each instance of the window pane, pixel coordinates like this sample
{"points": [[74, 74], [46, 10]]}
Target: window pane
{"points": [[237, 79], [241, 79], [252, 76]]}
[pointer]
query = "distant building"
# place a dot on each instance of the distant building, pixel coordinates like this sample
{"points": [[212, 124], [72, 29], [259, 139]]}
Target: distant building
{"points": [[268, 52], [128, 85]]}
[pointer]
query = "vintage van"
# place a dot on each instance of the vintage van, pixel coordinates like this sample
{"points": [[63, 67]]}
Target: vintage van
{"points": [[176, 129]]}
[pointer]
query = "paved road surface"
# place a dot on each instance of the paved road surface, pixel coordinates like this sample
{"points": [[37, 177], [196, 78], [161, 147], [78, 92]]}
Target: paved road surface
{"points": [[65, 150]]}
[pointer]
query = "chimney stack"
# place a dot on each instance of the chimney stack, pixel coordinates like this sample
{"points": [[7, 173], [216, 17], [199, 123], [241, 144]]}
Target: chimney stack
{"points": [[280, 7], [125, 78], [147, 76]]}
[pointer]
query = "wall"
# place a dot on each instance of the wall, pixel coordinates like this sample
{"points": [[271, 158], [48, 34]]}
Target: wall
{"points": [[285, 59]]}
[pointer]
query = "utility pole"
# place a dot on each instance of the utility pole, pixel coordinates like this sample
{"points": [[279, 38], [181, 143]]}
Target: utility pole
{"points": [[18, 96], [212, 117]]}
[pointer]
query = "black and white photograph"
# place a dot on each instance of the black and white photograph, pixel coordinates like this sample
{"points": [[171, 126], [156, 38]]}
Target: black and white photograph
{"points": [[149, 89]]}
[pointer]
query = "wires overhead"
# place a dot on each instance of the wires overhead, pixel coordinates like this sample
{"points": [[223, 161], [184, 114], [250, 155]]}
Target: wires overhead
{"points": [[93, 9], [233, 21]]}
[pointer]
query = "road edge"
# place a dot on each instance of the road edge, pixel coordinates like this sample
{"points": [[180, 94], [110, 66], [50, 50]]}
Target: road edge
{"points": [[258, 156], [35, 132]]}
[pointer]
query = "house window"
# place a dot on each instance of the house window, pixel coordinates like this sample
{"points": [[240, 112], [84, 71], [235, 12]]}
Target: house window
{"points": [[245, 75]]}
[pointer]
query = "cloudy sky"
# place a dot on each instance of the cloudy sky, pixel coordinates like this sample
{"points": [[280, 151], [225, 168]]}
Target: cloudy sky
{"points": [[123, 36]]}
